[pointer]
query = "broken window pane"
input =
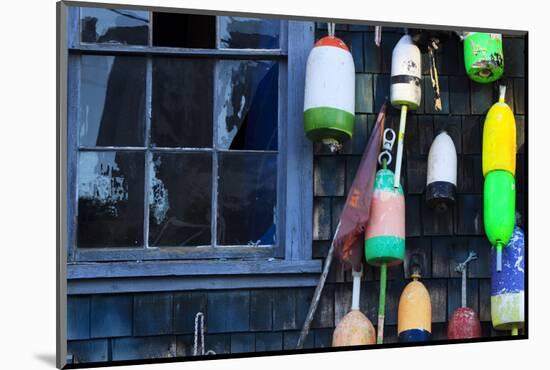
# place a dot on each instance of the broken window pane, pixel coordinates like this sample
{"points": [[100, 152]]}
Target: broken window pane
{"points": [[119, 26], [247, 104], [180, 197], [112, 101], [110, 199], [249, 33], [182, 102], [184, 30], [247, 198]]}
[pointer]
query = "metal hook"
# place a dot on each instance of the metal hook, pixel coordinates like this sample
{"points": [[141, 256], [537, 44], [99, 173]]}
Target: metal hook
{"points": [[388, 142], [462, 266]]}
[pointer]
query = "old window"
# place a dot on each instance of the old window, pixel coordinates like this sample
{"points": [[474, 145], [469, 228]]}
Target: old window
{"points": [[178, 141]]}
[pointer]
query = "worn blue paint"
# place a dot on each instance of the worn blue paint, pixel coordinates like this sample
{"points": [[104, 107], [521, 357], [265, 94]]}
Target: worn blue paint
{"points": [[186, 307], [243, 343], [190, 268], [78, 318], [228, 311], [152, 314], [298, 153], [84, 351], [415, 335], [170, 283], [269, 341], [511, 279], [111, 316], [138, 348], [261, 308]]}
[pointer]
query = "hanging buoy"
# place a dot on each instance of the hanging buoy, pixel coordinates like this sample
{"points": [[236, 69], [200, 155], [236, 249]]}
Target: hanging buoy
{"points": [[464, 322], [499, 138], [329, 102], [507, 286], [499, 167], [385, 231], [483, 56], [405, 91], [414, 314], [355, 328], [441, 179]]}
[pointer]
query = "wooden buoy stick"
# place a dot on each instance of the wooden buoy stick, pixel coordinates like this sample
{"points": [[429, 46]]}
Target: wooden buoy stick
{"points": [[317, 295], [382, 302], [400, 139]]}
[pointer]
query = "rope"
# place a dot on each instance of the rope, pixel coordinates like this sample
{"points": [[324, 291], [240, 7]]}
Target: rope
{"points": [[331, 28], [377, 35], [434, 77], [200, 316]]}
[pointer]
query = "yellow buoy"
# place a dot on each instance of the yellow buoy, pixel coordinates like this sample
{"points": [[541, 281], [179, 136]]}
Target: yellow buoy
{"points": [[414, 314], [499, 139]]}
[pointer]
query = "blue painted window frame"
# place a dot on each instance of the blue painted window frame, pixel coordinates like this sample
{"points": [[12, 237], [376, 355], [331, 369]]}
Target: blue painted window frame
{"points": [[294, 189]]}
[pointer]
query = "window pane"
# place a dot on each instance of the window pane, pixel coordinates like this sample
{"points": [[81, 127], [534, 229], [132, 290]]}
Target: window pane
{"points": [[247, 198], [180, 199], [182, 102], [120, 26], [110, 199], [247, 104], [249, 33], [184, 30], [112, 101]]}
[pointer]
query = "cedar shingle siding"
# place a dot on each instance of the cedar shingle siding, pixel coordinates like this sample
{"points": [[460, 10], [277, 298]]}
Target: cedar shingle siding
{"points": [[152, 325]]}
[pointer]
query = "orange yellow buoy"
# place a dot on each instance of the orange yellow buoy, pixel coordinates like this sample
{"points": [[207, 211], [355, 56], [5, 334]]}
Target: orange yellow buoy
{"points": [[414, 315]]}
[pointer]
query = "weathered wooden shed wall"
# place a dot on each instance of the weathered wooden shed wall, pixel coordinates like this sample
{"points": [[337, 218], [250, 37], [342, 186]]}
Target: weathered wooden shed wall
{"points": [[153, 325]]}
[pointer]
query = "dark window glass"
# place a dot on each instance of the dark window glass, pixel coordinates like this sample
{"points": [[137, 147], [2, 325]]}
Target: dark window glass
{"points": [[110, 199], [247, 198], [184, 30], [249, 33], [182, 102], [112, 101], [180, 199], [247, 104], [118, 26]]}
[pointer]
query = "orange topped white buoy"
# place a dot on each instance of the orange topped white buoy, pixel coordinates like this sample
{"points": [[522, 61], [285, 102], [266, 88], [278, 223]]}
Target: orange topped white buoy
{"points": [[329, 97]]}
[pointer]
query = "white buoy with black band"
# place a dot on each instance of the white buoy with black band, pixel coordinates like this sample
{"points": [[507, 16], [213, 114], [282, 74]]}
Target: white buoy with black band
{"points": [[329, 101], [405, 91], [441, 181]]}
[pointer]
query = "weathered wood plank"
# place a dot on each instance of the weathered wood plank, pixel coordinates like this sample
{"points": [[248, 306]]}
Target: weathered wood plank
{"points": [[421, 247], [189, 268], [167, 284], [228, 311], [107, 49], [153, 314], [284, 310], [261, 310], [111, 316], [298, 229], [139, 348], [186, 306]]}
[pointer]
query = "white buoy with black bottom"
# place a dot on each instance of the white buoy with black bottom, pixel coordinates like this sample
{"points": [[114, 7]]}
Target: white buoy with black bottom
{"points": [[405, 91]]}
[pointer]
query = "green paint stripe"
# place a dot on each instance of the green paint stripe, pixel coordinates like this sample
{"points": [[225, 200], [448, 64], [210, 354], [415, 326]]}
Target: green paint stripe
{"points": [[327, 122]]}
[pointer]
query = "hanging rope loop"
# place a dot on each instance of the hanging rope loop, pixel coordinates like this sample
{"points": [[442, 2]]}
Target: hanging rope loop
{"points": [[198, 349]]}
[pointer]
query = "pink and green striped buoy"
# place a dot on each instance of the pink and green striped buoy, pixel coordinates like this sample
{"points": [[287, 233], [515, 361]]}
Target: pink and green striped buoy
{"points": [[329, 97]]}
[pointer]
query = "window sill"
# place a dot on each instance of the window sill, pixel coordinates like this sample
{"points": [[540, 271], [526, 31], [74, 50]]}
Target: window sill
{"points": [[125, 277]]}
